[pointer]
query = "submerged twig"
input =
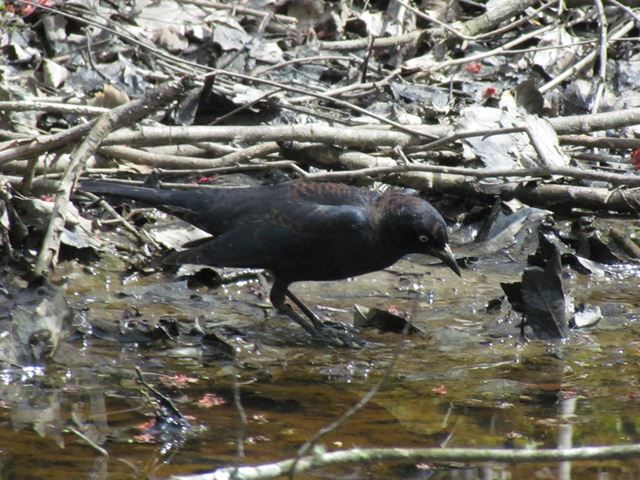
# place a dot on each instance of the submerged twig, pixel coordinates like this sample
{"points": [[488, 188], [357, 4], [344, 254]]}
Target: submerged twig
{"points": [[321, 459]]}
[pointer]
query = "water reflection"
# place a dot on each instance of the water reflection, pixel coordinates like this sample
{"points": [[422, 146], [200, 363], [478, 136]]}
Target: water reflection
{"points": [[469, 381]]}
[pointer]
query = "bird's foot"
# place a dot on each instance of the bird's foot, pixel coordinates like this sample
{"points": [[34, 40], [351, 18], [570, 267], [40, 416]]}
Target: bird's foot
{"points": [[322, 331], [336, 334]]}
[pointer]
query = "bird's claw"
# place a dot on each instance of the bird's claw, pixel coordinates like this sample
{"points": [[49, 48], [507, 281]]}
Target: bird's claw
{"points": [[323, 331], [337, 334]]}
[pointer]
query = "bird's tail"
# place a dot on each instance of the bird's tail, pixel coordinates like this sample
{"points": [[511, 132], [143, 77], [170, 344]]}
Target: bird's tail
{"points": [[150, 196]]}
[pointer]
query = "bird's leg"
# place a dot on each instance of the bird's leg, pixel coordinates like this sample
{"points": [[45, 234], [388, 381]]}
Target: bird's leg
{"points": [[319, 330], [277, 297], [306, 310], [330, 330]]}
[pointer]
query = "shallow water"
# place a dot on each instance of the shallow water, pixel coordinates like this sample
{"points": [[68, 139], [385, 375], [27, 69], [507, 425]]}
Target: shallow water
{"points": [[470, 381]]}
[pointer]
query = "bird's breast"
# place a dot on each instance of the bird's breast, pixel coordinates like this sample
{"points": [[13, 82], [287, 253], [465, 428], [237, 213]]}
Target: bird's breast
{"points": [[348, 262]]}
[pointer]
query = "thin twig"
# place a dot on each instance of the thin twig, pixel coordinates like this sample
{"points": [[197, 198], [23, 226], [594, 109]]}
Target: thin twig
{"points": [[424, 72], [51, 107], [373, 391], [320, 96], [142, 237], [625, 9], [242, 10], [297, 61], [586, 60], [459, 34], [143, 157], [537, 172], [88, 441], [602, 60], [242, 415]]}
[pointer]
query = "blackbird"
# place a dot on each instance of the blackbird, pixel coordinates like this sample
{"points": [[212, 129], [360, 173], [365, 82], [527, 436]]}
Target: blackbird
{"points": [[299, 232]]}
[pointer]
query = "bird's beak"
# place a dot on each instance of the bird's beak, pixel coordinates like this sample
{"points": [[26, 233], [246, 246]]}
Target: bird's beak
{"points": [[446, 255]]}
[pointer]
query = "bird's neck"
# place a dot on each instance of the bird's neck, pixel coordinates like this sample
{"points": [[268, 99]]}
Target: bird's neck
{"points": [[386, 224]]}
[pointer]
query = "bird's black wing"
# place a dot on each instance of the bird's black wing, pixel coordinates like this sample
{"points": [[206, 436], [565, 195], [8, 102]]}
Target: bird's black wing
{"points": [[316, 237]]}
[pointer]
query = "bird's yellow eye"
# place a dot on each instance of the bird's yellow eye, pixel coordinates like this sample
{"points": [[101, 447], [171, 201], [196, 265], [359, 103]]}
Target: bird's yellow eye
{"points": [[423, 238]]}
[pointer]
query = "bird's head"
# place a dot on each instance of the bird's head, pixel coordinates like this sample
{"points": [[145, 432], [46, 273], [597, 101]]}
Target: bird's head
{"points": [[412, 225]]}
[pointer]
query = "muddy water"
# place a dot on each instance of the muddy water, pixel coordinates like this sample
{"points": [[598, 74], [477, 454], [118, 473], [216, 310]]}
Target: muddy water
{"points": [[468, 382]]}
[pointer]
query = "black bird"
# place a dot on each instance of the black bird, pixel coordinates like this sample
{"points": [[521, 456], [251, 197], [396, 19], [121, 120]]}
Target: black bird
{"points": [[299, 231]]}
